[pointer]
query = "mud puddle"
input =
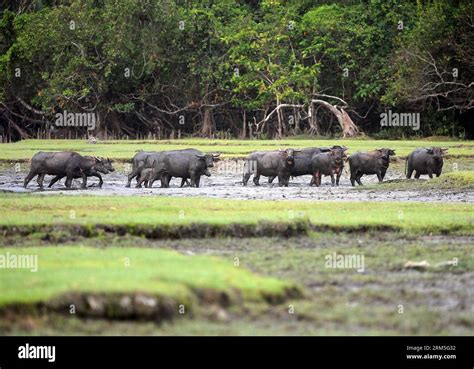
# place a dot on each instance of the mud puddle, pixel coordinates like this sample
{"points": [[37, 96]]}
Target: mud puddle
{"points": [[227, 184]]}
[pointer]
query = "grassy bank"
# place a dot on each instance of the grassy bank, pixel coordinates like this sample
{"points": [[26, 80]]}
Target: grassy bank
{"points": [[124, 149], [172, 279], [130, 211]]}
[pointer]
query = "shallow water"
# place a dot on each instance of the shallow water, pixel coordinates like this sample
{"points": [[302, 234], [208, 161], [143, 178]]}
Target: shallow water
{"points": [[225, 183]]}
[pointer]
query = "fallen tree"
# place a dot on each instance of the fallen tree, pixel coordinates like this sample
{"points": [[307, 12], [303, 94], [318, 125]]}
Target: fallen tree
{"points": [[348, 127]]}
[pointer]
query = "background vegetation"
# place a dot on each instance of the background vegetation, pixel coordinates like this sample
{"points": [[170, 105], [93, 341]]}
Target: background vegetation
{"points": [[207, 68]]}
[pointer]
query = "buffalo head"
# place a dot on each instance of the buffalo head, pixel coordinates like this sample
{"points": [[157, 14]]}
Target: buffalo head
{"points": [[437, 153], [386, 153], [289, 156], [103, 165], [208, 159]]}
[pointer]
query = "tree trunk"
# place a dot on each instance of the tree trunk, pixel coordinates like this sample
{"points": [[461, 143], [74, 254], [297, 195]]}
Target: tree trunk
{"points": [[208, 126], [313, 121], [349, 129], [243, 134], [279, 128]]}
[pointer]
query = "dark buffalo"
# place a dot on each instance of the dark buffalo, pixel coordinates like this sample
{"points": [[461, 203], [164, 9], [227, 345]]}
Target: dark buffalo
{"points": [[329, 164], [64, 164], [303, 161], [145, 177], [145, 160], [187, 163], [425, 161], [270, 164], [373, 162], [107, 166], [139, 162]]}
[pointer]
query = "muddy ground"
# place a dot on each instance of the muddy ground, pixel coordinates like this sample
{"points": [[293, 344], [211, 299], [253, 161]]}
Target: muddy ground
{"points": [[225, 183]]}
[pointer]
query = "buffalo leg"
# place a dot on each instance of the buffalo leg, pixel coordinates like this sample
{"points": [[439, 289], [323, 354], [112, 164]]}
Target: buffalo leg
{"points": [[84, 181], [151, 181], [315, 178], [54, 180], [353, 178], [28, 178], [129, 178], [246, 178], [417, 175], [256, 179], [270, 179], [69, 180], [136, 172], [338, 176], [359, 176], [333, 180], [379, 176], [101, 182], [40, 180], [194, 182], [280, 181], [165, 181], [142, 179]]}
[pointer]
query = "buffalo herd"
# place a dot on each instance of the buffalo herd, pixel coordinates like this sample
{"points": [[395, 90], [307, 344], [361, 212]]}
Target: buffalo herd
{"points": [[191, 164]]}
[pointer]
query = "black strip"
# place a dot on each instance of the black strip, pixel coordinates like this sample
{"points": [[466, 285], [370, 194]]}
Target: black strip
{"points": [[240, 352]]}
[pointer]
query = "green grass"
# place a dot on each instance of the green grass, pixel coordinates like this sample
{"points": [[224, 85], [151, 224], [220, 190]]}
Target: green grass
{"points": [[337, 301], [124, 150], [27, 210], [455, 181], [121, 270]]}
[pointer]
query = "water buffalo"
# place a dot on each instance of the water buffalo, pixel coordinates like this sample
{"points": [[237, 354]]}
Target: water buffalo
{"points": [[425, 161], [64, 164], [373, 162], [145, 160], [93, 172], [329, 164], [303, 163], [139, 162], [270, 164], [145, 177], [187, 163]]}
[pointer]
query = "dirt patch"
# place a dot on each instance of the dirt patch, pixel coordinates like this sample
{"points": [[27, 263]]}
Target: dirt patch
{"points": [[141, 306], [260, 229]]}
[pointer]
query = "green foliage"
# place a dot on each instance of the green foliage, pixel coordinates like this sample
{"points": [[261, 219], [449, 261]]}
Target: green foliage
{"points": [[145, 59]]}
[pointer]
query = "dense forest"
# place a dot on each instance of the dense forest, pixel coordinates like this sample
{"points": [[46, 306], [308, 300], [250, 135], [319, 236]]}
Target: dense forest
{"points": [[225, 68]]}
